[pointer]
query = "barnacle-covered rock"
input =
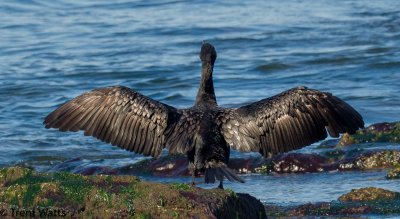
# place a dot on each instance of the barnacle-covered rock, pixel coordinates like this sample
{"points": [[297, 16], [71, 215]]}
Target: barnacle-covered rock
{"points": [[394, 173], [379, 132]]}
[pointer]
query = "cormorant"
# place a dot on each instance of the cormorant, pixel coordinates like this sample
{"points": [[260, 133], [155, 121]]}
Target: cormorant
{"points": [[205, 132]]}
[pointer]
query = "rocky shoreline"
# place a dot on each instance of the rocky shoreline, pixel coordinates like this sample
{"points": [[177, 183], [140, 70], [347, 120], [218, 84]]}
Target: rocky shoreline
{"points": [[365, 201], [331, 155], [114, 192], [24, 192]]}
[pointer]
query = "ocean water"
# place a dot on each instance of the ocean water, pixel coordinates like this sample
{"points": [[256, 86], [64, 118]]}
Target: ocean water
{"points": [[52, 51]]}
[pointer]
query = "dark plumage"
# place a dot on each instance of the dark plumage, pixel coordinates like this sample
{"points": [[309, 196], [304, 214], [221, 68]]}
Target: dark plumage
{"points": [[206, 132]]}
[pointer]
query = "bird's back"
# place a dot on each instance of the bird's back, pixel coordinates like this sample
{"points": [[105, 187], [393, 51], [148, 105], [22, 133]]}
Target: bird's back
{"points": [[209, 143]]}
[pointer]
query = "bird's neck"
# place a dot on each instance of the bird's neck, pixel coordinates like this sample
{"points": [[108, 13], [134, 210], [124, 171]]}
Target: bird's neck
{"points": [[206, 95]]}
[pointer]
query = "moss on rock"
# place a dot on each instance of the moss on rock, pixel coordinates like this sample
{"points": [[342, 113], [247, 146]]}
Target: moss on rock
{"points": [[119, 196], [11, 174]]}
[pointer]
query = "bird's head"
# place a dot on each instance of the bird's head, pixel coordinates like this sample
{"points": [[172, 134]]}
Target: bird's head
{"points": [[208, 53]]}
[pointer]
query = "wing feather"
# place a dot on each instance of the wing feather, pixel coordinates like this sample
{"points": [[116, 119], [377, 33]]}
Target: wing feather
{"points": [[287, 121], [127, 119]]}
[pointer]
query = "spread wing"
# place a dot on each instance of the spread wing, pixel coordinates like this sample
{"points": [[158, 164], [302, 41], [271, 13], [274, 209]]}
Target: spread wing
{"points": [[290, 120], [127, 119]]}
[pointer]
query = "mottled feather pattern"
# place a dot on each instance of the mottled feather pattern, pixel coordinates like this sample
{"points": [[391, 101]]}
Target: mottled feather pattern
{"points": [[287, 121]]}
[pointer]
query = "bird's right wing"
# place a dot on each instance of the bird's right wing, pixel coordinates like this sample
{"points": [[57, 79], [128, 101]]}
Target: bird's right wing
{"points": [[287, 121], [127, 119]]}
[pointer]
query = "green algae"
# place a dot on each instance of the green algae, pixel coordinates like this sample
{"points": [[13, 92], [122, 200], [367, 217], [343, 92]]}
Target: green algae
{"points": [[180, 186], [74, 187], [233, 193], [11, 174], [114, 196], [264, 169], [133, 191], [380, 132], [29, 195]]}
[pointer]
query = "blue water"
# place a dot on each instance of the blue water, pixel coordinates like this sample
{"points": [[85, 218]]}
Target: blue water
{"points": [[51, 51]]}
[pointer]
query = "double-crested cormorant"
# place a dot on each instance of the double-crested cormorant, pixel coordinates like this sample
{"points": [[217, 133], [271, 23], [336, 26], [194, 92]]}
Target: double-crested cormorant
{"points": [[206, 132]]}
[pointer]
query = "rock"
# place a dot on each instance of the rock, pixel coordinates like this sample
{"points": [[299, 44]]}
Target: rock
{"points": [[62, 194], [369, 194], [337, 154], [331, 143], [355, 159], [166, 166], [177, 165], [358, 202], [331, 158], [330, 209], [294, 163], [394, 173], [246, 165], [81, 166], [379, 132], [11, 174], [372, 159]]}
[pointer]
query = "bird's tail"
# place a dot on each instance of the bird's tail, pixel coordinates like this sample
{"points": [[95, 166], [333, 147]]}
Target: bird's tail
{"points": [[217, 171]]}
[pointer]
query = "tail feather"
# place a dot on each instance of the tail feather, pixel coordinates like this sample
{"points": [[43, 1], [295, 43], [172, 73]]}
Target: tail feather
{"points": [[233, 175], [209, 175], [219, 174], [228, 175], [217, 171]]}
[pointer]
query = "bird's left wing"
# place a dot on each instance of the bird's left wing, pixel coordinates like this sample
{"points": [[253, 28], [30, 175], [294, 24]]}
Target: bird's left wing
{"points": [[290, 120]]}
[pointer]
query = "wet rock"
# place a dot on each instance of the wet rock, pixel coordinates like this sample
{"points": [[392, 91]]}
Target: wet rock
{"points": [[167, 166], [77, 196], [369, 194], [68, 166], [358, 202], [177, 165], [379, 132], [329, 159], [371, 160], [294, 163], [330, 209], [336, 154], [394, 173], [82, 166], [96, 170], [246, 165], [331, 143]]}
